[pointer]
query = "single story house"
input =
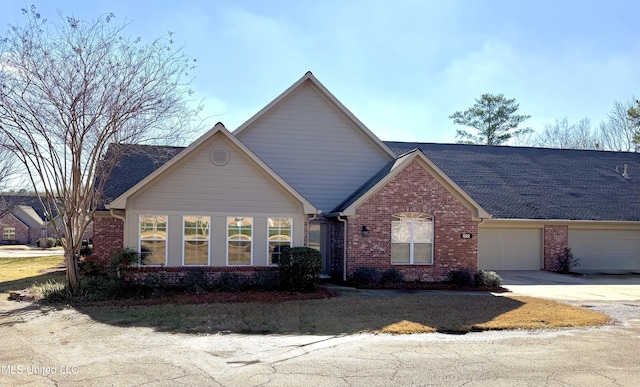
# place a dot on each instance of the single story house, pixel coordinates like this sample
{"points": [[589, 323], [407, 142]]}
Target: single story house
{"points": [[24, 220], [304, 171]]}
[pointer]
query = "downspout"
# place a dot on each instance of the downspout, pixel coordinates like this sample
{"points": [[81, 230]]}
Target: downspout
{"points": [[344, 248]]}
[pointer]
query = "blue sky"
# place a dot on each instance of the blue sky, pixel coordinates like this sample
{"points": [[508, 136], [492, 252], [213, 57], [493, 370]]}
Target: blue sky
{"points": [[402, 67]]}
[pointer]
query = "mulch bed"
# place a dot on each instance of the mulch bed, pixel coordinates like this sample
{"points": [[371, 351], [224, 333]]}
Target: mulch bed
{"points": [[220, 297], [437, 286]]}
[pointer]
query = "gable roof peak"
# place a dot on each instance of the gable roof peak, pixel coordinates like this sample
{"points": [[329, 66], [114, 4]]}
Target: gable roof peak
{"points": [[309, 77]]}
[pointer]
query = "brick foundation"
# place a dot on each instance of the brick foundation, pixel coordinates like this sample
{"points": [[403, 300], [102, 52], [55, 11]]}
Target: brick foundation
{"points": [[413, 189], [556, 239]]}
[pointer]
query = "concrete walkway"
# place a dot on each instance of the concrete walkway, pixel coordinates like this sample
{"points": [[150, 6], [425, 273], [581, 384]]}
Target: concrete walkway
{"points": [[556, 286]]}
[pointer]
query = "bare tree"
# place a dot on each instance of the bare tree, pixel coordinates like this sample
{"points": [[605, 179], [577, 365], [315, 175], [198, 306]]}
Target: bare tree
{"points": [[564, 135], [618, 131], [633, 115], [70, 88]]}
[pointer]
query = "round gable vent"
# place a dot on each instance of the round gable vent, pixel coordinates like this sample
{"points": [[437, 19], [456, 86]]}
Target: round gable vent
{"points": [[219, 156]]}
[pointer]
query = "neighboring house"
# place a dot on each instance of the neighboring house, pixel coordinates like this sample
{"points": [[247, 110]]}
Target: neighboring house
{"points": [[305, 171], [24, 220]]}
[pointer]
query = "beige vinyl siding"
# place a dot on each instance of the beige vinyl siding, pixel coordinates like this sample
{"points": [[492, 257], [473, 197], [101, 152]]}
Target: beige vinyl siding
{"points": [[197, 185], [312, 145], [510, 248], [606, 251]]}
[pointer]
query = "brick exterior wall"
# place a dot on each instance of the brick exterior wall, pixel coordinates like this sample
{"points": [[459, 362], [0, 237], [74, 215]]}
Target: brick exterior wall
{"points": [[108, 234], [336, 248], [556, 239], [22, 230], [413, 189]]}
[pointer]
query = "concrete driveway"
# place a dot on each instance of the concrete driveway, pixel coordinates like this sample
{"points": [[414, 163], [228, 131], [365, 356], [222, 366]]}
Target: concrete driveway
{"points": [[563, 287], [27, 251]]}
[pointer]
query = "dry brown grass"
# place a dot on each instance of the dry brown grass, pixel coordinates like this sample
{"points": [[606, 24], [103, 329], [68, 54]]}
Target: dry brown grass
{"points": [[20, 273], [537, 313]]}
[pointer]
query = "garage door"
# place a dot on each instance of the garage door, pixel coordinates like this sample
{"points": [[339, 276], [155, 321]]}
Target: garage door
{"points": [[510, 249], [606, 251]]}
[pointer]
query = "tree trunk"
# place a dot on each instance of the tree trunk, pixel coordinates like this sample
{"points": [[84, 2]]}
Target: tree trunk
{"points": [[73, 279]]}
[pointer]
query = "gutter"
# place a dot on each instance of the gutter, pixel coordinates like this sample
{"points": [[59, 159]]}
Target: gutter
{"points": [[120, 214]]}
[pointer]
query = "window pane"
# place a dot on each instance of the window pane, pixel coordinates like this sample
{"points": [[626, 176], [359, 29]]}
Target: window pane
{"points": [[400, 252], [422, 253], [275, 250], [196, 240], [153, 235], [239, 253], [400, 232], [153, 252], [422, 232], [196, 252]]}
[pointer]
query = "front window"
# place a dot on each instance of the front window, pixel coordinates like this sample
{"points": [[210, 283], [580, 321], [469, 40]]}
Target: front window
{"points": [[153, 239], [9, 233], [239, 240], [195, 249], [412, 238], [279, 230]]}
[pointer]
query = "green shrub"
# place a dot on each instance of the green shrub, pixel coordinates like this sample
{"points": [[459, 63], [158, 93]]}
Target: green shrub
{"points": [[195, 280], [461, 277], [488, 279], [264, 280], [299, 269], [46, 242], [392, 276], [91, 268], [122, 259], [566, 261], [365, 276], [86, 250], [230, 282]]}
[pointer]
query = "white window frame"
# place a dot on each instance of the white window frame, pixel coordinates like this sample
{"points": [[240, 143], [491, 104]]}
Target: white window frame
{"points": [[208, 240], [9, 234], [250, 240], [269, 220], [166, 239], [413, 218]]}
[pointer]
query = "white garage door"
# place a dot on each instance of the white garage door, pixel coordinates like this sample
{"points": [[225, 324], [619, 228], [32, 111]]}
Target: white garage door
{"points": [[606, 251], [510, 249]]}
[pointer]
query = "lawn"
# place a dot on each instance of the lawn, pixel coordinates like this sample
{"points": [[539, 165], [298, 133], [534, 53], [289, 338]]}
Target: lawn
{"points": [[391, 312], [416, 312], [20, 273]]}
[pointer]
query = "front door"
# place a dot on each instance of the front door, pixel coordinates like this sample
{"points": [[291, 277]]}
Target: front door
{"points": [[319, 240]]}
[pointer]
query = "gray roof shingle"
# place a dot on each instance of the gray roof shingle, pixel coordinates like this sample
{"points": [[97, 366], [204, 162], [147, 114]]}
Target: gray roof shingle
{"points": [[136, 163], [508, 182], [540, 183]]}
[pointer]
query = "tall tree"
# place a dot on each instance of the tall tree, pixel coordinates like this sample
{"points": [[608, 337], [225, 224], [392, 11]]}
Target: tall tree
{"points": [[618, 132], [495, 119], [68, 89], [564, 135]]}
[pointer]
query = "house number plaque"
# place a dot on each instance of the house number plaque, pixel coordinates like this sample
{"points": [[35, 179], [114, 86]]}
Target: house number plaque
{"points": [[466, 236]]}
